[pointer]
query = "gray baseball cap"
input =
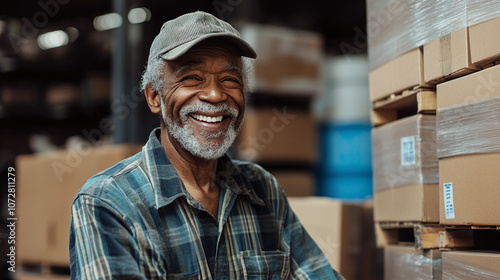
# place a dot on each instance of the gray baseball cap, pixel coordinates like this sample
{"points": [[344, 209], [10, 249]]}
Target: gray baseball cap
{"points": [[177, 36]]}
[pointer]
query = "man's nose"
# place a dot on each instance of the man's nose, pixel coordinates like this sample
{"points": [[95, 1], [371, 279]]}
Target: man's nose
{"points": [[213, 92]]}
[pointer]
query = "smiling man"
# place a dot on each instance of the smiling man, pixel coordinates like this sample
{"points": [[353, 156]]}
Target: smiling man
{"points": [[181, 208]]}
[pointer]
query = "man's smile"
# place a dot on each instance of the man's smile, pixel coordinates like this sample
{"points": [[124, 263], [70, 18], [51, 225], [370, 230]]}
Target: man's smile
{"points": [[211, 122], [205, 118]]}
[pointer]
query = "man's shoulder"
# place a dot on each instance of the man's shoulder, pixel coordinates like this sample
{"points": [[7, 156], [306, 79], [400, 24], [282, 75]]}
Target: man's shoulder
{"points": [[107, 180]]}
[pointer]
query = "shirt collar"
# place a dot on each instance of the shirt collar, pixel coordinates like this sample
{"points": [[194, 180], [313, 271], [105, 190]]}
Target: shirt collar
{"points": [[231, 176], [168, 186]]}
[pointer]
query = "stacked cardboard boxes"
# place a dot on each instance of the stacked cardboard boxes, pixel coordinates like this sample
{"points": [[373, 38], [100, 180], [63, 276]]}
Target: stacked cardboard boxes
{"points": [[288, 61], [397, 27], [405, 262], [468, 138], [343, 231], [460, 64], [279, 131], [405, 168], [470, 265], [468, 135], [47, 184]]}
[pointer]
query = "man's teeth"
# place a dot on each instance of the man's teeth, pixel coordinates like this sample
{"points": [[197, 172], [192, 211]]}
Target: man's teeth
{"points": [[207, 118]]}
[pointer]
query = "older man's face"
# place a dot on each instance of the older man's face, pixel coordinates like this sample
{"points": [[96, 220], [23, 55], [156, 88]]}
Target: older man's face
{"points": [[203, 102]]}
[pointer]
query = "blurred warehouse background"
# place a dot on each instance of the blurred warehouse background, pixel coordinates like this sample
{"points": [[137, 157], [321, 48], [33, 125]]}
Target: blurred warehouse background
{"points": [[70, 106]]}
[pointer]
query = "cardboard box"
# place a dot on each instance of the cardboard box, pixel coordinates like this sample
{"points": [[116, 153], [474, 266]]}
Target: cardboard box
{"points": [[336, 227], [295, 183], [485, 42], [477, 86], [278, 135], [288, 60], [406, 262], [475, 184], [418, 202], [448, 57], [405, 170], [372, 258], [470, 265], [395, 27], [397, 75], [474, 178], [47, 184]]}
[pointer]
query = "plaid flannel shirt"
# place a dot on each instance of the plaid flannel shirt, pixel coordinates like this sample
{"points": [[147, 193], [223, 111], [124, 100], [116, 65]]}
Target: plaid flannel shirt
{"points": [[136, 220]]}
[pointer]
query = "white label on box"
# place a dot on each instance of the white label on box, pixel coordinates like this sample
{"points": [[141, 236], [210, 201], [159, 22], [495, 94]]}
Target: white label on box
{"points": [[449, 209], [407, 150]]}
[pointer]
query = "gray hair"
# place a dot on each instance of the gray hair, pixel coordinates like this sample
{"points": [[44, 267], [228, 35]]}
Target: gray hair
{"points": [[153, 75]]}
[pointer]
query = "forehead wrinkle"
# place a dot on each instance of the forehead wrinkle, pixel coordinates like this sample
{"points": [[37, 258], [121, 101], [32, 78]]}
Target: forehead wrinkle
{"points": [[182, 69], [229, 66]]}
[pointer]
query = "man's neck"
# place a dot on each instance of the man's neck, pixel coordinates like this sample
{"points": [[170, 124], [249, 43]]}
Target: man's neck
{"points": [[198, 175]]}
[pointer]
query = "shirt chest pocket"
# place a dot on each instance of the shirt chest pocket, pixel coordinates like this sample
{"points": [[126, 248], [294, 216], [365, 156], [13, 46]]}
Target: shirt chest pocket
{"points": [[265, 265]]}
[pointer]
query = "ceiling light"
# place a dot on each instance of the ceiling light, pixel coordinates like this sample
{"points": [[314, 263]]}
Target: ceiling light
{"points": [[107, 21], [138, 15], [52, 39]]}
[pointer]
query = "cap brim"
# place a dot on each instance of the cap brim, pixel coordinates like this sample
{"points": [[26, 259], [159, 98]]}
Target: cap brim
{"points": [[244, 48]]}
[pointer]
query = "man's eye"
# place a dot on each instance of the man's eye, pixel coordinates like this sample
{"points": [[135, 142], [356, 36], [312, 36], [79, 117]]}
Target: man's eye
{"points": [[191, 78], [231, 80]]}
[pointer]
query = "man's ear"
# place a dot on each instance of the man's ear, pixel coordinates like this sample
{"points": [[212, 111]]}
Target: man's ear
{"points": [[153, 99]]}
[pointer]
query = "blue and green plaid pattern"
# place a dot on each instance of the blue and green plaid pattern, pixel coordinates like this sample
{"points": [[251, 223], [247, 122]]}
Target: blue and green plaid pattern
{"points": [[136, 220]]}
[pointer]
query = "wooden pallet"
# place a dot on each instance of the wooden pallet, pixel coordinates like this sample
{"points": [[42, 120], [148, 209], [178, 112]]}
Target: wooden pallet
{"points": [[471, 237], [491, 64], [407, 103], [421, 235], [436, 236]]}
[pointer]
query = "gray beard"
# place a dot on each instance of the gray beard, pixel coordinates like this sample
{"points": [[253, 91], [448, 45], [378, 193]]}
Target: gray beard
{"points": [[184, 135]]}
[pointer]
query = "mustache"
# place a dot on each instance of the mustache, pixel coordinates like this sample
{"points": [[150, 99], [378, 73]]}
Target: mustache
{"points": [[222, 108]]}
